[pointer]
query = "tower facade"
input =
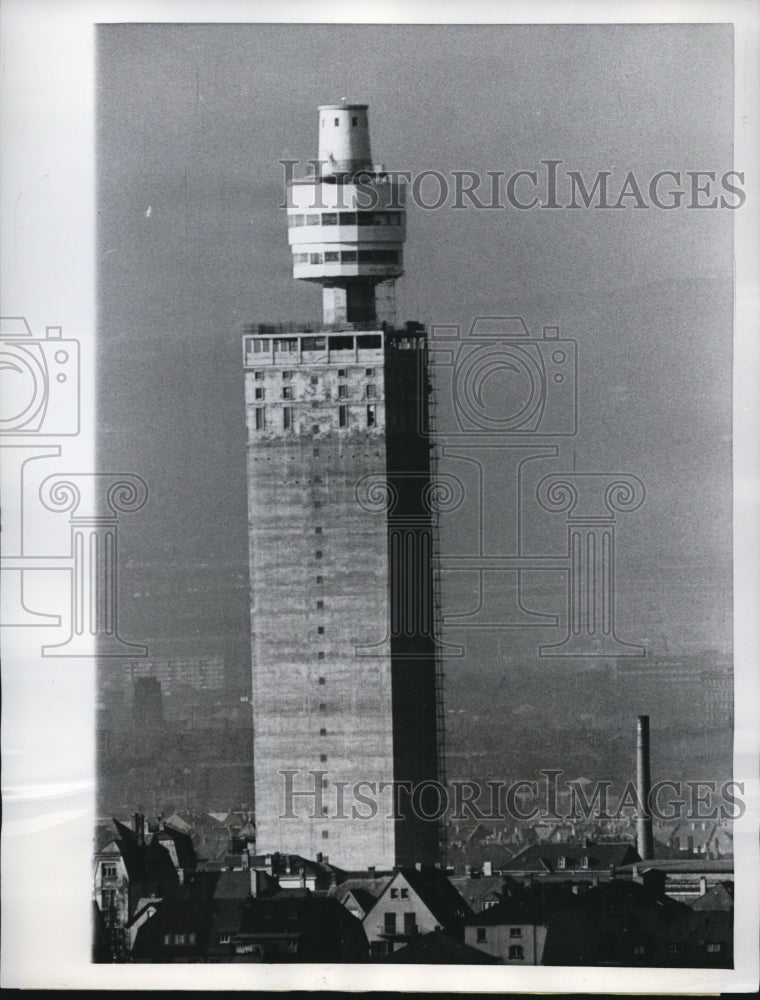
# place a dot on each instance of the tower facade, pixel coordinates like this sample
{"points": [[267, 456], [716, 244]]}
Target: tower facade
{"points": [[346, 691]]}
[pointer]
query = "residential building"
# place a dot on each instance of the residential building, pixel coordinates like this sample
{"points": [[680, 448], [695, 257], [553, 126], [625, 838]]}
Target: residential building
{"points": [[415, 901]]}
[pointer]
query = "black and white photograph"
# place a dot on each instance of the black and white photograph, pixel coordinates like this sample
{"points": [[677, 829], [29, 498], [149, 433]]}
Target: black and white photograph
{"points": [[380, 549]]}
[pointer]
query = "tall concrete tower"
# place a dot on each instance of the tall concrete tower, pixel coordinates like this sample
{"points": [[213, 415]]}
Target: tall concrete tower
{"points": [[346, 682]]}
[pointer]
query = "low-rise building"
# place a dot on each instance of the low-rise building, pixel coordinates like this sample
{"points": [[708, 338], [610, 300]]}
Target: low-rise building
{"points": [[415, 901]]}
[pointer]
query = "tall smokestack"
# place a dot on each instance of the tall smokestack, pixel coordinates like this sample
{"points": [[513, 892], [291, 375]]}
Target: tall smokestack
{"points": [[644, 835]]}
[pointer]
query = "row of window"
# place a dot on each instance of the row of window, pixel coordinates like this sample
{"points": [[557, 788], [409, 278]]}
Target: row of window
{"points": [[287, 374], [336, 121], [287, 417], [514, 932], [562, 862], [410, 923], [287, 391], [348, 257], [289, 345], [346, 219], [171, 939]]}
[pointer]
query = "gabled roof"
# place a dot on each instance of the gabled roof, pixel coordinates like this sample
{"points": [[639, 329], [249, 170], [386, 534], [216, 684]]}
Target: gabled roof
{"points": [[183, 845], [233, 885], [545, 857], [146, 862], [436, 892], [474, 890], [438, 948], [364, 898], [373, 886], [178, 823], [529, 911], [719, 897]]}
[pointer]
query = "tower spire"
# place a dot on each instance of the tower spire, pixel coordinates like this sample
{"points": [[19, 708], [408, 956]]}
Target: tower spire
{"points": [[347, 221]]}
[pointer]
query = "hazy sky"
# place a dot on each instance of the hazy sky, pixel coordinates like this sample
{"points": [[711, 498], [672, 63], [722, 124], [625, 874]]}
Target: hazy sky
{"points": [[192, 123]]}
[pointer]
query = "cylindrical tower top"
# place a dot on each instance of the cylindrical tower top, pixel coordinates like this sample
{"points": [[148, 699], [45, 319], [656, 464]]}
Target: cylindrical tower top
{"points": [[344, 139]]}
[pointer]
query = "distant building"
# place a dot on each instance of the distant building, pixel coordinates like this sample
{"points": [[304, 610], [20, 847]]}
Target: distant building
{"points": [[683, 879], [204, 673], [135, 867], [623, 923], [584, 861], [247, 917], [513, 931]]}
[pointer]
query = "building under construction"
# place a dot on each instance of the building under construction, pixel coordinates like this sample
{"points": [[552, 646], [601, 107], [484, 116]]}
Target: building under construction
{"points": [[346, 681]]}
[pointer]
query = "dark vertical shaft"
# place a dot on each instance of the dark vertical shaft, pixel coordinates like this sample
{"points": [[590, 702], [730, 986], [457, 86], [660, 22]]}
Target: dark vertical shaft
{"points": [[644, 835]]}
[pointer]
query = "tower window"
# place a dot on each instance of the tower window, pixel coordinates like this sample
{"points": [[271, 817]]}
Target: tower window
{"points": [[325, 835], [322, 707], [259, 394], [321, 655], [369, 372], [370, 390], [342, 391], [323, 732], [287, 374], [317, 504], [260, 419], [258, 376], [337, 120], [321, 680], [371, 415], [320, 630], [314, 380], [318, 530], [343, 415], [354, 121], [318, 554], [287, 417], [315, 430], [323, 758], [320, 604], [319, 580], [287, 392], [342, 372]]}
